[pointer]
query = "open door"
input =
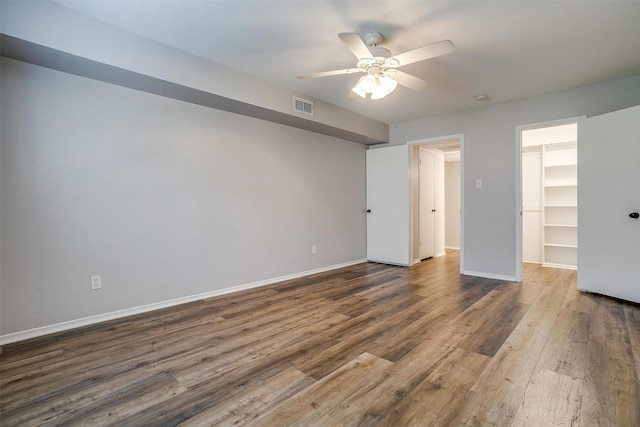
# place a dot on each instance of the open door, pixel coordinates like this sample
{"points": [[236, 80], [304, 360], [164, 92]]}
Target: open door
{"points": [[388, 205], [427, 210], [608, 213]]}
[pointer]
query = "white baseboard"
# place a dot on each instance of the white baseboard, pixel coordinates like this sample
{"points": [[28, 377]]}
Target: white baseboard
{"points": [[86, 321], [457, 248], [563, 266], [489, 275]]}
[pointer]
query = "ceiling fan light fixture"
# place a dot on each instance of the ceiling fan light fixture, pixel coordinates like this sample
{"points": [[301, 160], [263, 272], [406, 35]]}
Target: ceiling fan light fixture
{"points": [[358, 88], [369, 83], [377, 86], [387, 85]]}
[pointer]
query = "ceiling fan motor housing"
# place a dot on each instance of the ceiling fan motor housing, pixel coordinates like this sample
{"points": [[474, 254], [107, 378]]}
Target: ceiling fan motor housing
{"points": [[373, 39]]}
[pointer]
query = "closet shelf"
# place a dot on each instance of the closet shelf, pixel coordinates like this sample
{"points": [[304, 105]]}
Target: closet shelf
{"points": [[561, 184], [560, 165], [561, 145], [561, 225], [559, 245]]}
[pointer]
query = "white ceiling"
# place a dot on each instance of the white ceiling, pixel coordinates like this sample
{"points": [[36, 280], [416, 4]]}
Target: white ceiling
{"points": [[506, 49]]}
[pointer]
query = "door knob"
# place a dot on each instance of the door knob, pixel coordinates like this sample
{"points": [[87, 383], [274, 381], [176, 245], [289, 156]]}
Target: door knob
{"points": [[433, 210], [634, 215], [368, 210]]}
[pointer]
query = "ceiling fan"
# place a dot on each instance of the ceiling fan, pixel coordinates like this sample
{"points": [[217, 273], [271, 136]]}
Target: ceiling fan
{"points": [[382, 74]]}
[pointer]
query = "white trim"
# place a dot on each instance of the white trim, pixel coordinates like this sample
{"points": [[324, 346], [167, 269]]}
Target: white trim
{"points": [[518, 172], [439, 254], [562, 266], [489, 275], [437, 139], [86, 321], [457, 248]]}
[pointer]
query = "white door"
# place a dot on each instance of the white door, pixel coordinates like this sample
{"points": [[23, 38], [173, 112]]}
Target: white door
{"points": [[609, 195], [531, 206], [388, 214], [427, 208]]}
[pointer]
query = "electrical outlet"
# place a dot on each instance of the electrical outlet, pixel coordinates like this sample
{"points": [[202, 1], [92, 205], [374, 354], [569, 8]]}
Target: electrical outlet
{"points": [[95, 283], [314, 249]]}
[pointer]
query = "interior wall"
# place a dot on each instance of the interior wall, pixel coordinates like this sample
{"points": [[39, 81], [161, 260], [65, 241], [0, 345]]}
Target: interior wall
{"points": [[490, 155], [161, 198], [452, 204]]}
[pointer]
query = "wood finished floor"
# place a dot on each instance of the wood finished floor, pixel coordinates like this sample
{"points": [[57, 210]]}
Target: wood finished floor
{"points": [[365, 345]]}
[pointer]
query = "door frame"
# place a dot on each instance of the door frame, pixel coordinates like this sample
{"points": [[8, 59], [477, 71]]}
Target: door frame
{"points": [[518, 175], [434, 142]]}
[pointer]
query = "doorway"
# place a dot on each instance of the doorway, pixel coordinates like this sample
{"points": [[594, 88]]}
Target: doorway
{"points": [[547, 221], [436, 213]]}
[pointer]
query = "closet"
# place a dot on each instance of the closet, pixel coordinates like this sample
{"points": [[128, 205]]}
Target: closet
{"points": [[550, 196]]}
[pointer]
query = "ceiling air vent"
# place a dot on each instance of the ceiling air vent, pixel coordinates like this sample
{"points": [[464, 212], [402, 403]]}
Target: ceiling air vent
{"points": [[303, 106]]}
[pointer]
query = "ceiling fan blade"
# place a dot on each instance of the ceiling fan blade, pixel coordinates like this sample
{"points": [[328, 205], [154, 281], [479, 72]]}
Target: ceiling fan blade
{"points": [[328, 73], [355, 45], [409, 81], [425, 52]]}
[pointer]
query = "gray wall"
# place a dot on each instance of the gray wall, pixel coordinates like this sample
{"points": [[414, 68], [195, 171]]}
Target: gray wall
{"points": [[161, 198], [490, 153]]}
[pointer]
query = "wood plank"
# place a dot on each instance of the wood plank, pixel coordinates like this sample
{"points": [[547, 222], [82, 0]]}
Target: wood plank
{"points": [[493, 331], [324, 362], [441, 393], [633, 327], [252, 403], [498, 391], [314, 404], [551, 399], [566, 349], [610, 380]]}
